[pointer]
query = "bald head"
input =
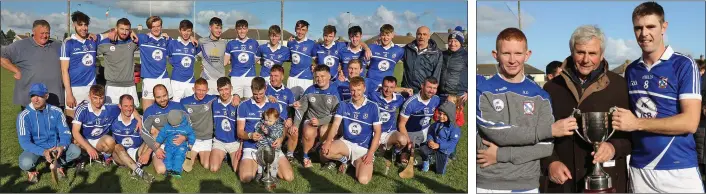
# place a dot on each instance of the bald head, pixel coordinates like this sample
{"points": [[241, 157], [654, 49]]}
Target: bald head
{"points": [[423, 35]]}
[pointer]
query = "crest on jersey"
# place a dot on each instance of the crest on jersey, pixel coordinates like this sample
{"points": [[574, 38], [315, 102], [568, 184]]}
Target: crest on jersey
{"points": [[662, 82], [424, 121], [243, 57], [269, 63], [279, 56], [87, 60], [127, 142], [384, 116], [384, 65], [394, 55], [328, 100], [156, 120], [645, 108], [85, 48], [189, 110], [112, 48], [96, 131], [304, 49], [295, 58], [297, 47], [232, 113], [365, 115], [186, 62], [157, 55], [225, 125], [354, 128], [205, 107], [528, 106], [312, 99], [329, 61]]}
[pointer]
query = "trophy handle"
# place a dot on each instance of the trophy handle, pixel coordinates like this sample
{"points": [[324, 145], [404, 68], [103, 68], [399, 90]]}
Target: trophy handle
{"points": [[573, 114], [610, 114]]}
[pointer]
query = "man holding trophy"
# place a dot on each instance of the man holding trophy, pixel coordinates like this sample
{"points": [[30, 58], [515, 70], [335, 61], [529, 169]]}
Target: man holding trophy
{"points": [[587, 85]]}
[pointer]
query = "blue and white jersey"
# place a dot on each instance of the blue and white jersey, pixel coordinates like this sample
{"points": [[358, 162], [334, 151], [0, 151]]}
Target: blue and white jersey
{"points": [[329, 56], [242, 57], [419, 112], [153, 54], [302, 56], [251, 113], [358, 122], [284, 95], [347, 54], [182, 56], [224, 114], [655, 93], [95, 125], [125, 133], [388, 109], [156, 116], [345, 91], [269, 57], [383, 61], [81, 55]]}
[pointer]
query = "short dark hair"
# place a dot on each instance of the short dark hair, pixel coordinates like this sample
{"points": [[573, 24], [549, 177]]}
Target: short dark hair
{"points": [[648, 8], [97, 90], [257, 84], [322, 68], [123, 21], [328, 29], [201, 81], [552, 67], [215, 20], [186, 24], [241, 23], [78, 17], [431, 80], [277, 68], [40, 23], [222, 81], [390, 79], [355, 30], [274, 29], [302, 23], [125, 97]]}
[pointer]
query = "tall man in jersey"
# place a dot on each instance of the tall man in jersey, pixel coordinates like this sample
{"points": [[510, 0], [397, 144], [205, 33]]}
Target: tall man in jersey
{"points": [[361, 133], [271, 53], [326, 53], [155, 118], [199, 106], [665, 94], [78, 59], [182, 55], [249, 113], [212, 52], [240, 54], [385, 55], [302, 50], [315, 109], [153, 53]]}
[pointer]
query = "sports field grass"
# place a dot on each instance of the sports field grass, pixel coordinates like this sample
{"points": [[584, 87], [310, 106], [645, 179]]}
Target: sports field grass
{"points": [[117, 179]]}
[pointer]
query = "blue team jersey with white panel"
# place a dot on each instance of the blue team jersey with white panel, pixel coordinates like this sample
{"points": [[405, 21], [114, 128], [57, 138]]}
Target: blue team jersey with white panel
{"points": [[183, 58], [251, 113], [302, 55], [126, 134], [329, 56], [358, 122], [153, 53], [419, 112], [388, 109], [383, 61], [95, 125], [242, 57], [347, 54], [284, 95], [269, 57], [224, 114], [655, 92], [81, 55]]}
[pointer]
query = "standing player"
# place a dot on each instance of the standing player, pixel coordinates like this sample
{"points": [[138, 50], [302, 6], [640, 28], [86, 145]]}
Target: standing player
{"points": [[225, 140], [155, 120], [276, 92], [664, 89], [153, 51], [118, 60], [78, 58], [212, 52], [240, 54], [385, 55], [128, 143], [199, 107], [92, 123], [361, 133], [302, 50], [316, 108], [326, 53], [416, 114], [354, 50], [271, 53], [249, 113], [182, 55]]}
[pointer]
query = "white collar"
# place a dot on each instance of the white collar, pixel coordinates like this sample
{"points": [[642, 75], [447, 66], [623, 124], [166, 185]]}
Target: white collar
{"points": [[273, 88], [76, 37], [154, 37], [365, 101], [349, 48], [277, 48], [328, 47], [182, 41], [392, 44], [303, 40], [419, 98], [255, 103], [225, 103], [665, 56], [120, 117], [90, 108], [242, 41], [394, 96]]}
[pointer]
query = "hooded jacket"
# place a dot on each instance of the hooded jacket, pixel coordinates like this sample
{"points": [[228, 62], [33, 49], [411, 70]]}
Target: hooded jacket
{"points": [[38, 130], [602, 90], [446, 134], [454, 72], [420, 64]]}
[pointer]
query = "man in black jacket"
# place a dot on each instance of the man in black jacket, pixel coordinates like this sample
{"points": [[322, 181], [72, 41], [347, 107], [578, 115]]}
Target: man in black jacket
{"points": [[422, 58], [454, 76]]}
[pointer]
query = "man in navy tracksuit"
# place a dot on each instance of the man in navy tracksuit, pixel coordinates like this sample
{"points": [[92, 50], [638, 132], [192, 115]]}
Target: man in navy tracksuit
{"points": [[42, 129]]}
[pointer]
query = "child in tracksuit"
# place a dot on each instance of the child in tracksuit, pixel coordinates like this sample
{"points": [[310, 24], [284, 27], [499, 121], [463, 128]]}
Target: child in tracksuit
{"points": [[442, 138], [176, 154], [271, 128]]}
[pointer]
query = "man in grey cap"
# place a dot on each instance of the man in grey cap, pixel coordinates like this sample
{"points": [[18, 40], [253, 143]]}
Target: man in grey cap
{"points": [[35, 60]]}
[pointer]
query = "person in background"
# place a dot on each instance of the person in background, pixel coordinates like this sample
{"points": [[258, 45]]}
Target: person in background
{"points": [[553, 70]]}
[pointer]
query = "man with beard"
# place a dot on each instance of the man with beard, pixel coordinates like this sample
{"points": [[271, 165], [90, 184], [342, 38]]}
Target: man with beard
{"points": [[78, 63]]}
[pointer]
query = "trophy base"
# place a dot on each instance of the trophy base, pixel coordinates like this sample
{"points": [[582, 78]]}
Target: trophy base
{"points": [[608, 190]]}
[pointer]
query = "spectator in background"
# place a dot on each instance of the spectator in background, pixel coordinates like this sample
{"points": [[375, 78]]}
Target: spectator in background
{"points": [[553, 70], [454, 77], [422, 58]]}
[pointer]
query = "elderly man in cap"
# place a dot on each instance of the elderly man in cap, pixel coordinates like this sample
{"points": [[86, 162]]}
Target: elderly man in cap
{"points": [[42, 132]]}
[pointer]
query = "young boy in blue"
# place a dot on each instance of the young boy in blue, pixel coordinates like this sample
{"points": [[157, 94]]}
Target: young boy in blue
{"points": [[175, 154], [442, 138]]}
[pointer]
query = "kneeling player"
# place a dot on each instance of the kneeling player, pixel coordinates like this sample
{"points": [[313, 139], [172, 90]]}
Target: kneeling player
{"points": [[389, 102], [225, 141], [90, 128], [361, 124], [128, 141]]}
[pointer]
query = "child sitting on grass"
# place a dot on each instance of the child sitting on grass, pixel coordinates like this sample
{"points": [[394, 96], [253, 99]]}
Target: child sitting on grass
{"points": [[175, 154]]}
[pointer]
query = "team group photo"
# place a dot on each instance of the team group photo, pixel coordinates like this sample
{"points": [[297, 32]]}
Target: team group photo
{"points": [[242, 96]]}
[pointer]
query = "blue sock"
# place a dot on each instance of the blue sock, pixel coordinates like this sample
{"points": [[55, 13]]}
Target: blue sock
{"points": [[343, 160], [306, 155]]}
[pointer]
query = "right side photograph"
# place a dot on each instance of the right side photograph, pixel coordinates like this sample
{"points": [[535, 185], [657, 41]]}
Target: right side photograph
{"points": [[590, 96]]}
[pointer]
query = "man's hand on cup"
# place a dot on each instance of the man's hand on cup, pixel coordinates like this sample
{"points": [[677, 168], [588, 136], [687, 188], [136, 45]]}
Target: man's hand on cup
{"points": [[624, 120], [564, 127], [605, 152]]}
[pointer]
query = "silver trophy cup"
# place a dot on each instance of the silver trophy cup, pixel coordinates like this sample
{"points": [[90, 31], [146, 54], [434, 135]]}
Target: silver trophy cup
{"points": [[595, 129], [265, 157]]}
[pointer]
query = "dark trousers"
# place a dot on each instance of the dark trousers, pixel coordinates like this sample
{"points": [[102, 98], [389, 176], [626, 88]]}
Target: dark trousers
{"points": [[441, 158]]}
